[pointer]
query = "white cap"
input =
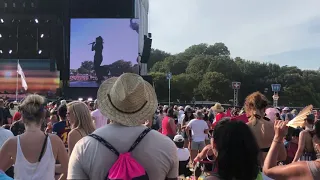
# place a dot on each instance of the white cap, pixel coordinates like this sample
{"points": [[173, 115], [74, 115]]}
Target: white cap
{"points": [[286, 109], [187, 107], [178, 138], [63, 102]]}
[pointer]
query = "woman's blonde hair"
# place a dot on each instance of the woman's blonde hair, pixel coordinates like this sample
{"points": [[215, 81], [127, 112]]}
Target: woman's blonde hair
{"points": [[82, 115], [32, 109]]}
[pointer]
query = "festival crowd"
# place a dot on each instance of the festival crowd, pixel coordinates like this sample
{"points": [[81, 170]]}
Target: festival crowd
{"points": [[125, 134]]}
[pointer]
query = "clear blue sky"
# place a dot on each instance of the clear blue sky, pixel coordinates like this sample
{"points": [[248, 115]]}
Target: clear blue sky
{"points": [[120, 41]]}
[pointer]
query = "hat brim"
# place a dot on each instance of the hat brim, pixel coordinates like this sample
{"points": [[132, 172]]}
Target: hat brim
{"points": [[126, 119], [218, 110]]}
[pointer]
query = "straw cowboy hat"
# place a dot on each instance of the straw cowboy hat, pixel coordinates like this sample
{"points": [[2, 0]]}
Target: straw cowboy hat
{"points": [[127, 100], [217, 108]]}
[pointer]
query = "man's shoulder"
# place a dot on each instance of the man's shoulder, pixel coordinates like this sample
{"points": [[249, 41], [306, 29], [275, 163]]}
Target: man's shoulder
{"points": [[109, 133]]}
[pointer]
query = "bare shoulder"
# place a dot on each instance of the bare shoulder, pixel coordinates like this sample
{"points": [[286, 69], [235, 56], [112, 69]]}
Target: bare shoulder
{"points": [[304, 132], [12, 141], [72, 132], [10, 145], [54, 138]]}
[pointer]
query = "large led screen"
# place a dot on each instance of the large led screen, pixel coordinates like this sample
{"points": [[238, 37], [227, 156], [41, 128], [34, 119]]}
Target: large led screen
{"points": [[38, 76], [102, 48]]}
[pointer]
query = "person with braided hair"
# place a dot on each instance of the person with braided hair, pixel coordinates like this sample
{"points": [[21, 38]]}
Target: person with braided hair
{"points": [[262, 128]]}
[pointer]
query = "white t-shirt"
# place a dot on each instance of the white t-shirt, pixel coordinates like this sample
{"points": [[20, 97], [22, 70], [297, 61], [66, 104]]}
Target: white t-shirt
{"points": [[4, 135], [197, 129], [180, 116], [183, 154]]}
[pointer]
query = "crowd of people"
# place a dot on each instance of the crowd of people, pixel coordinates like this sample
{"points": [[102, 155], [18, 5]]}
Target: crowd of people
{"points": [[83, 77], [126, 134]]}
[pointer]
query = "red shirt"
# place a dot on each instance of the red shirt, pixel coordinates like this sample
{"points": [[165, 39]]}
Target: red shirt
{"points": [[219, 116], [242, 117], [16, 116], [166, 128]]}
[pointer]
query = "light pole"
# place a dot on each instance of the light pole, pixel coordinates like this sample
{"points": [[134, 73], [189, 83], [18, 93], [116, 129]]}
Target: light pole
{"points": [[275, 98], [276, 89], [169, 76], [235, 87]]}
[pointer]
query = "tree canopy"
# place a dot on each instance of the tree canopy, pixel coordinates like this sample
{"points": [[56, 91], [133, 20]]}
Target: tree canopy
{"points": [[207, 71]]}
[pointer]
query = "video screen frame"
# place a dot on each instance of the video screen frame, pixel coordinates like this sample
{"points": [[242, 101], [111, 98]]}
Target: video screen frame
{"points": [[133, 25]]}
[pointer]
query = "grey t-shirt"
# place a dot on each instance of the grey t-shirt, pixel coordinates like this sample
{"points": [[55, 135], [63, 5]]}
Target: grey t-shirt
{"points": [[92, 160]]}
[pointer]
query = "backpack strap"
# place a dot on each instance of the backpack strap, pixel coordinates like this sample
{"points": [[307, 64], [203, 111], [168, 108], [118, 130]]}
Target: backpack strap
{"points": [[105, 143], [141, 136], [43, 147]]}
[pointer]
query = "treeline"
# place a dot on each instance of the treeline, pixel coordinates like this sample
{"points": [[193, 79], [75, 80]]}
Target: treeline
{"points": [[206, 72]]}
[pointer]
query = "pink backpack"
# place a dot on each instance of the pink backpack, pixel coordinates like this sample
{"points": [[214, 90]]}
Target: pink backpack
{"points": [[126, 167]]}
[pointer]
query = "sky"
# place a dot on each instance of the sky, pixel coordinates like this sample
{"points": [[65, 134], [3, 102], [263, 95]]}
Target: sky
{"points": [[285, 32], [120, 41]]}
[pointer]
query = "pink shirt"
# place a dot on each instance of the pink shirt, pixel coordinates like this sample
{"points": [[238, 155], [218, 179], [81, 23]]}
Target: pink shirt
{"points": [[100, 120]]}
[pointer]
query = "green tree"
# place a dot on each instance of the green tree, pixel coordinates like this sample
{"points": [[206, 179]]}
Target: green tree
{"points": [[184, 86], [156, 55], [82, 70], [218, 49], [226, 66], [160, 85], [119, 67], [206, 72], [199, 64], [87, 65], [214, 86]]}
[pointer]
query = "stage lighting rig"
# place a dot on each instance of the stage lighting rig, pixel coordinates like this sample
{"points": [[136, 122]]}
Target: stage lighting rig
{"points": [[31, 34], [8, 41], [31, 23]]}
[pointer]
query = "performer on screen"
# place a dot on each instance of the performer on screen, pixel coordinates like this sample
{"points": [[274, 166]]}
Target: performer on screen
{"points": [[98, 58]]}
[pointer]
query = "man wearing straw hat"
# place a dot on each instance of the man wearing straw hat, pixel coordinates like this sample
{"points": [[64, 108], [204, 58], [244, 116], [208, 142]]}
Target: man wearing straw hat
{"points": [[128, 101]]}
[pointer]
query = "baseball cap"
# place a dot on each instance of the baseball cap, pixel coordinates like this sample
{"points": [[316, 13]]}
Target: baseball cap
{"points": [[178, 138], [286, 109]]}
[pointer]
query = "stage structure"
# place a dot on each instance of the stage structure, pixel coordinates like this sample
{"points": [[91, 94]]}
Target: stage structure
{"points": [[40, 29], [31, 32], [141, 12], [236, 86]]}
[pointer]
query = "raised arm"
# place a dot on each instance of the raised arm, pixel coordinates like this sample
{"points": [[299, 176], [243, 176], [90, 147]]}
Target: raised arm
{"points": [[93, 46], [270, 167], [301, 146]]}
